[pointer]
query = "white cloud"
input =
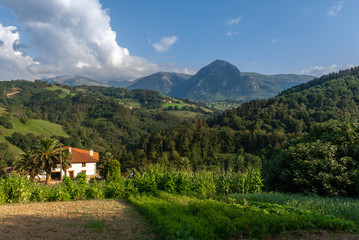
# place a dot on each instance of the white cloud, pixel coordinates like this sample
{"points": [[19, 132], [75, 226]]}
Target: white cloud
{"points": [[230, 34], [68, 38], [13, 62], [165, 43], [335, 9], [322, 70], [234, 21]]}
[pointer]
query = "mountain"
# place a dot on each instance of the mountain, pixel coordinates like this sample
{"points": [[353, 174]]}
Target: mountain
{"points": [[74, 81], [280, 81], [120, 84], [162, 82], [217, 81]]}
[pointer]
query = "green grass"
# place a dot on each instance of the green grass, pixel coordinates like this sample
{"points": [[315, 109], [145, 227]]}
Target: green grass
{"points": [[36, 126], [178, 105], [128, 102], [63, 95], [220, 105], [185, 114], [181, 217], [346, 208], [54, 88]]}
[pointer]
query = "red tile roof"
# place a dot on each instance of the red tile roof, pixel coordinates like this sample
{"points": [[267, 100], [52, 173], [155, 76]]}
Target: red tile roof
{"points": [[82, 156]]}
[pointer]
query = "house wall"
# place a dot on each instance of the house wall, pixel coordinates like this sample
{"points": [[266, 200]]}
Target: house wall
{"points": [[90, 169]]}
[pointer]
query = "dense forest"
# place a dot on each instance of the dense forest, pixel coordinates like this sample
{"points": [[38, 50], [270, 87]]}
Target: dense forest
{"points": [[249, 136]]}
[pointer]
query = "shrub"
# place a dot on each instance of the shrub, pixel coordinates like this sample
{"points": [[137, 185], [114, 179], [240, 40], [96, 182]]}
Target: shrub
{"points": [[114, 168], [17, 188], [115, 187], [95, 190]]}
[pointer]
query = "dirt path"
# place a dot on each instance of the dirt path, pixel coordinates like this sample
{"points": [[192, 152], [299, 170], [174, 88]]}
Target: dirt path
{"points": [[90, 219]]}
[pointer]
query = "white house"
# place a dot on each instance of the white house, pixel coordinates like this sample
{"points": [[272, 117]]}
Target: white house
{"points": [[82, 161]]}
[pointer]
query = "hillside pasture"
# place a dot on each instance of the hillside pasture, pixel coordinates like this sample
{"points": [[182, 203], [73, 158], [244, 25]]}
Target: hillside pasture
{"points": [[36, 126]]}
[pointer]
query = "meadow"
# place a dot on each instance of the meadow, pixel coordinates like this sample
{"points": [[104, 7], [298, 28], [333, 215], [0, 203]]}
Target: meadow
{"points": [[192, 205]]}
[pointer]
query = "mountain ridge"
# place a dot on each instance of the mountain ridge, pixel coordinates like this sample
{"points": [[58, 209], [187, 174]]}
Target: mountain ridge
{"points": [[219, 80]]}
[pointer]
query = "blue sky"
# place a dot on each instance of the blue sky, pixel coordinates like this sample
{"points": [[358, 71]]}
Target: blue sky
{"points": [[110, 39]]}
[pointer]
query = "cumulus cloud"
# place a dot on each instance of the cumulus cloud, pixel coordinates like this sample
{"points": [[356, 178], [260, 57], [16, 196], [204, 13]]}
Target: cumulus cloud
{"points": [[322, 70], [234, 21], [69, 37], [165, 43], [13, 62], [335, 9]]}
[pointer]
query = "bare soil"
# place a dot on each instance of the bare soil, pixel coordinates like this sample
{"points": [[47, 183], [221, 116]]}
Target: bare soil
{"points": [[89, 219]]}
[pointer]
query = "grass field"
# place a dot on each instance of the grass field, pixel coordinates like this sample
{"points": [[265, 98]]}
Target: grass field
{"points": [[182, 217], [54, 88], [185, 114], [36, 126], [223, 105], [127, 102], [91, 219], [346, 208], [178, 105], [63, 95]]}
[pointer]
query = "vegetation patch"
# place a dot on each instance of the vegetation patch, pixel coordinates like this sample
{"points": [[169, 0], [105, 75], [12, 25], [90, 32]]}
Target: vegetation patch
{"points": [[54, 88], [188, 217], [346, 208]]}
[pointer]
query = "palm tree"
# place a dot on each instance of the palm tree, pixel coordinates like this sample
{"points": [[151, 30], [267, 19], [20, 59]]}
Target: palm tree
{"points": [[47, 154], [28, 164], [66, 160]]}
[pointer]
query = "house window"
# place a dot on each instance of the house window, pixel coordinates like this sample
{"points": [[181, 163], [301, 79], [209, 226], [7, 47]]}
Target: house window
{"points": [[83, 164], [84, 171]]}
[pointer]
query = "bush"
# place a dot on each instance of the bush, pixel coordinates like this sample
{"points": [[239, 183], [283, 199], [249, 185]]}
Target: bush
{"points": [[115, 187], [17, 188], [95, 190]]}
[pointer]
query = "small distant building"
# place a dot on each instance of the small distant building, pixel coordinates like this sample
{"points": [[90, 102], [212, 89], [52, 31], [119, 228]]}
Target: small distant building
{"points": [[82, 161]]}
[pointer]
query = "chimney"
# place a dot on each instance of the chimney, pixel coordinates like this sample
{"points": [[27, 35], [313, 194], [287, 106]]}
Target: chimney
{"points": [[91, 153], [70, 149]]}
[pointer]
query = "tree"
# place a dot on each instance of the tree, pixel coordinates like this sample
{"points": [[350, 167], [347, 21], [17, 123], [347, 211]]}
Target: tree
{"points": [[66, 160], [114, 169], [28, 164], [324, 161], [102, 165], [47, 154]]}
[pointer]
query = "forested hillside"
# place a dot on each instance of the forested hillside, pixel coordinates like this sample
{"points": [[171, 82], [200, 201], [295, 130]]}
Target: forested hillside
{"points": [[101, 118], [141, 126], [252, 133]]}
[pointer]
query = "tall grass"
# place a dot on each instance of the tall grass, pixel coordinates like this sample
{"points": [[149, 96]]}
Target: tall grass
{"points": [[16, 188], [183, 217], [346, 208], [204, 183]]}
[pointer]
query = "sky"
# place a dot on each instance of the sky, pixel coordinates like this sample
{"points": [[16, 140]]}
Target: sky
{"points": [[126, 39]]}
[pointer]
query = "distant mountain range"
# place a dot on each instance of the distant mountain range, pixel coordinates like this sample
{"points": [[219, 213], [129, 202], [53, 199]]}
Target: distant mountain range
{"points": [[217, 81], [74, 81]]}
